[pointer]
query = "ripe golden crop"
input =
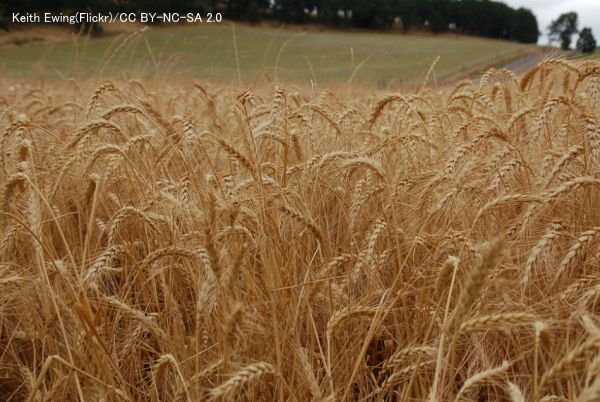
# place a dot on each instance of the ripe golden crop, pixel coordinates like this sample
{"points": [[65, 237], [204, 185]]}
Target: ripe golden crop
{"points": [[168, 241]]}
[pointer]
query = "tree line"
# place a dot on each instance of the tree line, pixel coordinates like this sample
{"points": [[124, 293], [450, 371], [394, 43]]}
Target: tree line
{"points": [[565, 26], [486, 18]]}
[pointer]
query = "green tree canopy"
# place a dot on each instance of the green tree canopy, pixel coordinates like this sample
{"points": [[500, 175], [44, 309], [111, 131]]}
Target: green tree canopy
{"points": [[563, 28], [525, 26], [586, 42]]}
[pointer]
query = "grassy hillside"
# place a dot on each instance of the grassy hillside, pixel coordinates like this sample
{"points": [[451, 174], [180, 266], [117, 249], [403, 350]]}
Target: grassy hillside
{"points": [[293, 55]]}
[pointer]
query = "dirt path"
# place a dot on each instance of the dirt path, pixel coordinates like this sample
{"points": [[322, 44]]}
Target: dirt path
{"points": [[523, 64], [518, 65]]}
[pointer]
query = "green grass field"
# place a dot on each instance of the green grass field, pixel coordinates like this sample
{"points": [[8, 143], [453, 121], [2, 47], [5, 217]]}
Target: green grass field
{"points": [[208, 51]]}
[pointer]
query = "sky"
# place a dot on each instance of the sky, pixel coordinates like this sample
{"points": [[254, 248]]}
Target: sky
{"points": [[548, 10]]}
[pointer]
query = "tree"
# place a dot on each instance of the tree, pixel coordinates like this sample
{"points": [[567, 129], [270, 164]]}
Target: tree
{"points": [[494, 19], [524, 26], [586, 42], [407, 11], [373, 14], [291, 11], [250, 10], [563, 28]]}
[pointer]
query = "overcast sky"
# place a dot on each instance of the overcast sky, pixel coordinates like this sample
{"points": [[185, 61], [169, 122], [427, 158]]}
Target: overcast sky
{"points": [[548, 10]]}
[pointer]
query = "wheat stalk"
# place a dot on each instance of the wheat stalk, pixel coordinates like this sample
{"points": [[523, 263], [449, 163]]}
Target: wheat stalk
{"points": [[245, 375]]}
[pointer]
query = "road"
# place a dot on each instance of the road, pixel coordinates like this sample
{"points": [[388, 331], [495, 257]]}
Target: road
{"points": [[523, 64]]}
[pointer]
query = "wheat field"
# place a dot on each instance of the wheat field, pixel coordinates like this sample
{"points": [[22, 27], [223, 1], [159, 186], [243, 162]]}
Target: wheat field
{"points": [[183, 241]]}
